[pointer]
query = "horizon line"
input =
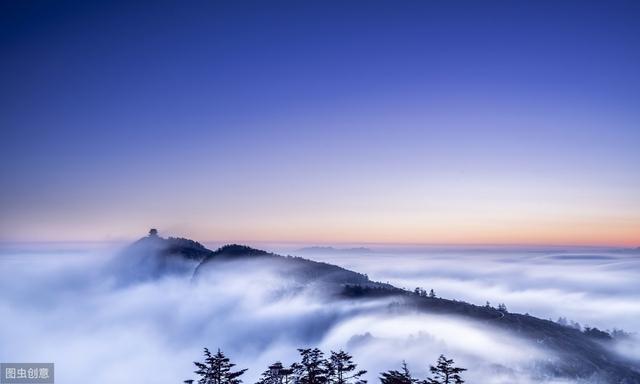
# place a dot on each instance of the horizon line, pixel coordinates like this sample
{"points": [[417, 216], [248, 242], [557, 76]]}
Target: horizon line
{"points": [[336, 243]]}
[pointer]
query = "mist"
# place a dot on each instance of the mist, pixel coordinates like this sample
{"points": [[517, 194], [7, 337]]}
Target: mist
{"points": [[68, 307], [595, 287]]}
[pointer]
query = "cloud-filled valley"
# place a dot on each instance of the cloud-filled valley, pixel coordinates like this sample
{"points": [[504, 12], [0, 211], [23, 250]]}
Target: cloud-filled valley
{"points": [[596, 287], [68, 307]]}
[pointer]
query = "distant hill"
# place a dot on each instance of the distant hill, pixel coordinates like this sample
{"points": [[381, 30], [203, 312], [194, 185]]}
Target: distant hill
{"points": [[170, 247], [584, 355], [326, 250], [296, 268], [153, 256]]}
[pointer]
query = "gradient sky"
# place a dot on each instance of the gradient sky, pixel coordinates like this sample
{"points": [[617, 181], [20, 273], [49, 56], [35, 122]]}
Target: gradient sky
{"points": [[350, 121]]}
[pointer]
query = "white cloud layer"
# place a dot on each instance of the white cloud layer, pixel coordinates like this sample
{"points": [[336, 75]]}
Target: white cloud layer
{"points": [[594, 287], [61, 307]]}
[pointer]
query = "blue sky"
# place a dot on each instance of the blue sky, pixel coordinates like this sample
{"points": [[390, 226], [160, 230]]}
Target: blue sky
{"points": [[418, 122]]}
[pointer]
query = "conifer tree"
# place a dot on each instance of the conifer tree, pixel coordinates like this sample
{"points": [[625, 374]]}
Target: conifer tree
{"points": [[216, 369], [276, 374], [398, 377], [445, 372], [312, 368], [342, 370]]}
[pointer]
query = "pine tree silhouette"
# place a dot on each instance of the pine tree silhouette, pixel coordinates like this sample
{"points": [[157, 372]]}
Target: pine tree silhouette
{"points": [[312, 368], [445, 372], [398, 377], [276, 374], [342, 370], [216, 369]]}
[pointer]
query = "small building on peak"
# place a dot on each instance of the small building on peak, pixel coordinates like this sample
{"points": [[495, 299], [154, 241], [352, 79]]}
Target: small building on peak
{"points": [[153, 232]]}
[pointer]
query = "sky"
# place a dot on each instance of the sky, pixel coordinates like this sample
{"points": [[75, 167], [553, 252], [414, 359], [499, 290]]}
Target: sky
{"points": [[421, 122]]}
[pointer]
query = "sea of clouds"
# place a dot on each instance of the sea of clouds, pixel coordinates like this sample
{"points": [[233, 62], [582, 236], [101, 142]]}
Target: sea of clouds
{"points": [[64, 305], [595, 287]]}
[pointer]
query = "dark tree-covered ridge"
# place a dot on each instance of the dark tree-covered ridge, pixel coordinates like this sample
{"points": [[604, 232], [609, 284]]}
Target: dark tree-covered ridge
{"points": [[584, 354]]}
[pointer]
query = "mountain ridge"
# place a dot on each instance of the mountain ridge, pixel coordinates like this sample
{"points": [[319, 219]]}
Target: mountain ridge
{"points": [[582, 354]]}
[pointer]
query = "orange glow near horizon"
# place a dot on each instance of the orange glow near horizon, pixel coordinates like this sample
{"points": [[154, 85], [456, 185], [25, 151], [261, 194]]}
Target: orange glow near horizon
{"points": [[615, 233]]}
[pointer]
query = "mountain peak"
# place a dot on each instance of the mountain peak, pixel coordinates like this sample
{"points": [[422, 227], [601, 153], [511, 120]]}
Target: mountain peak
{"points": [[177, 247], [239, 250]]}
